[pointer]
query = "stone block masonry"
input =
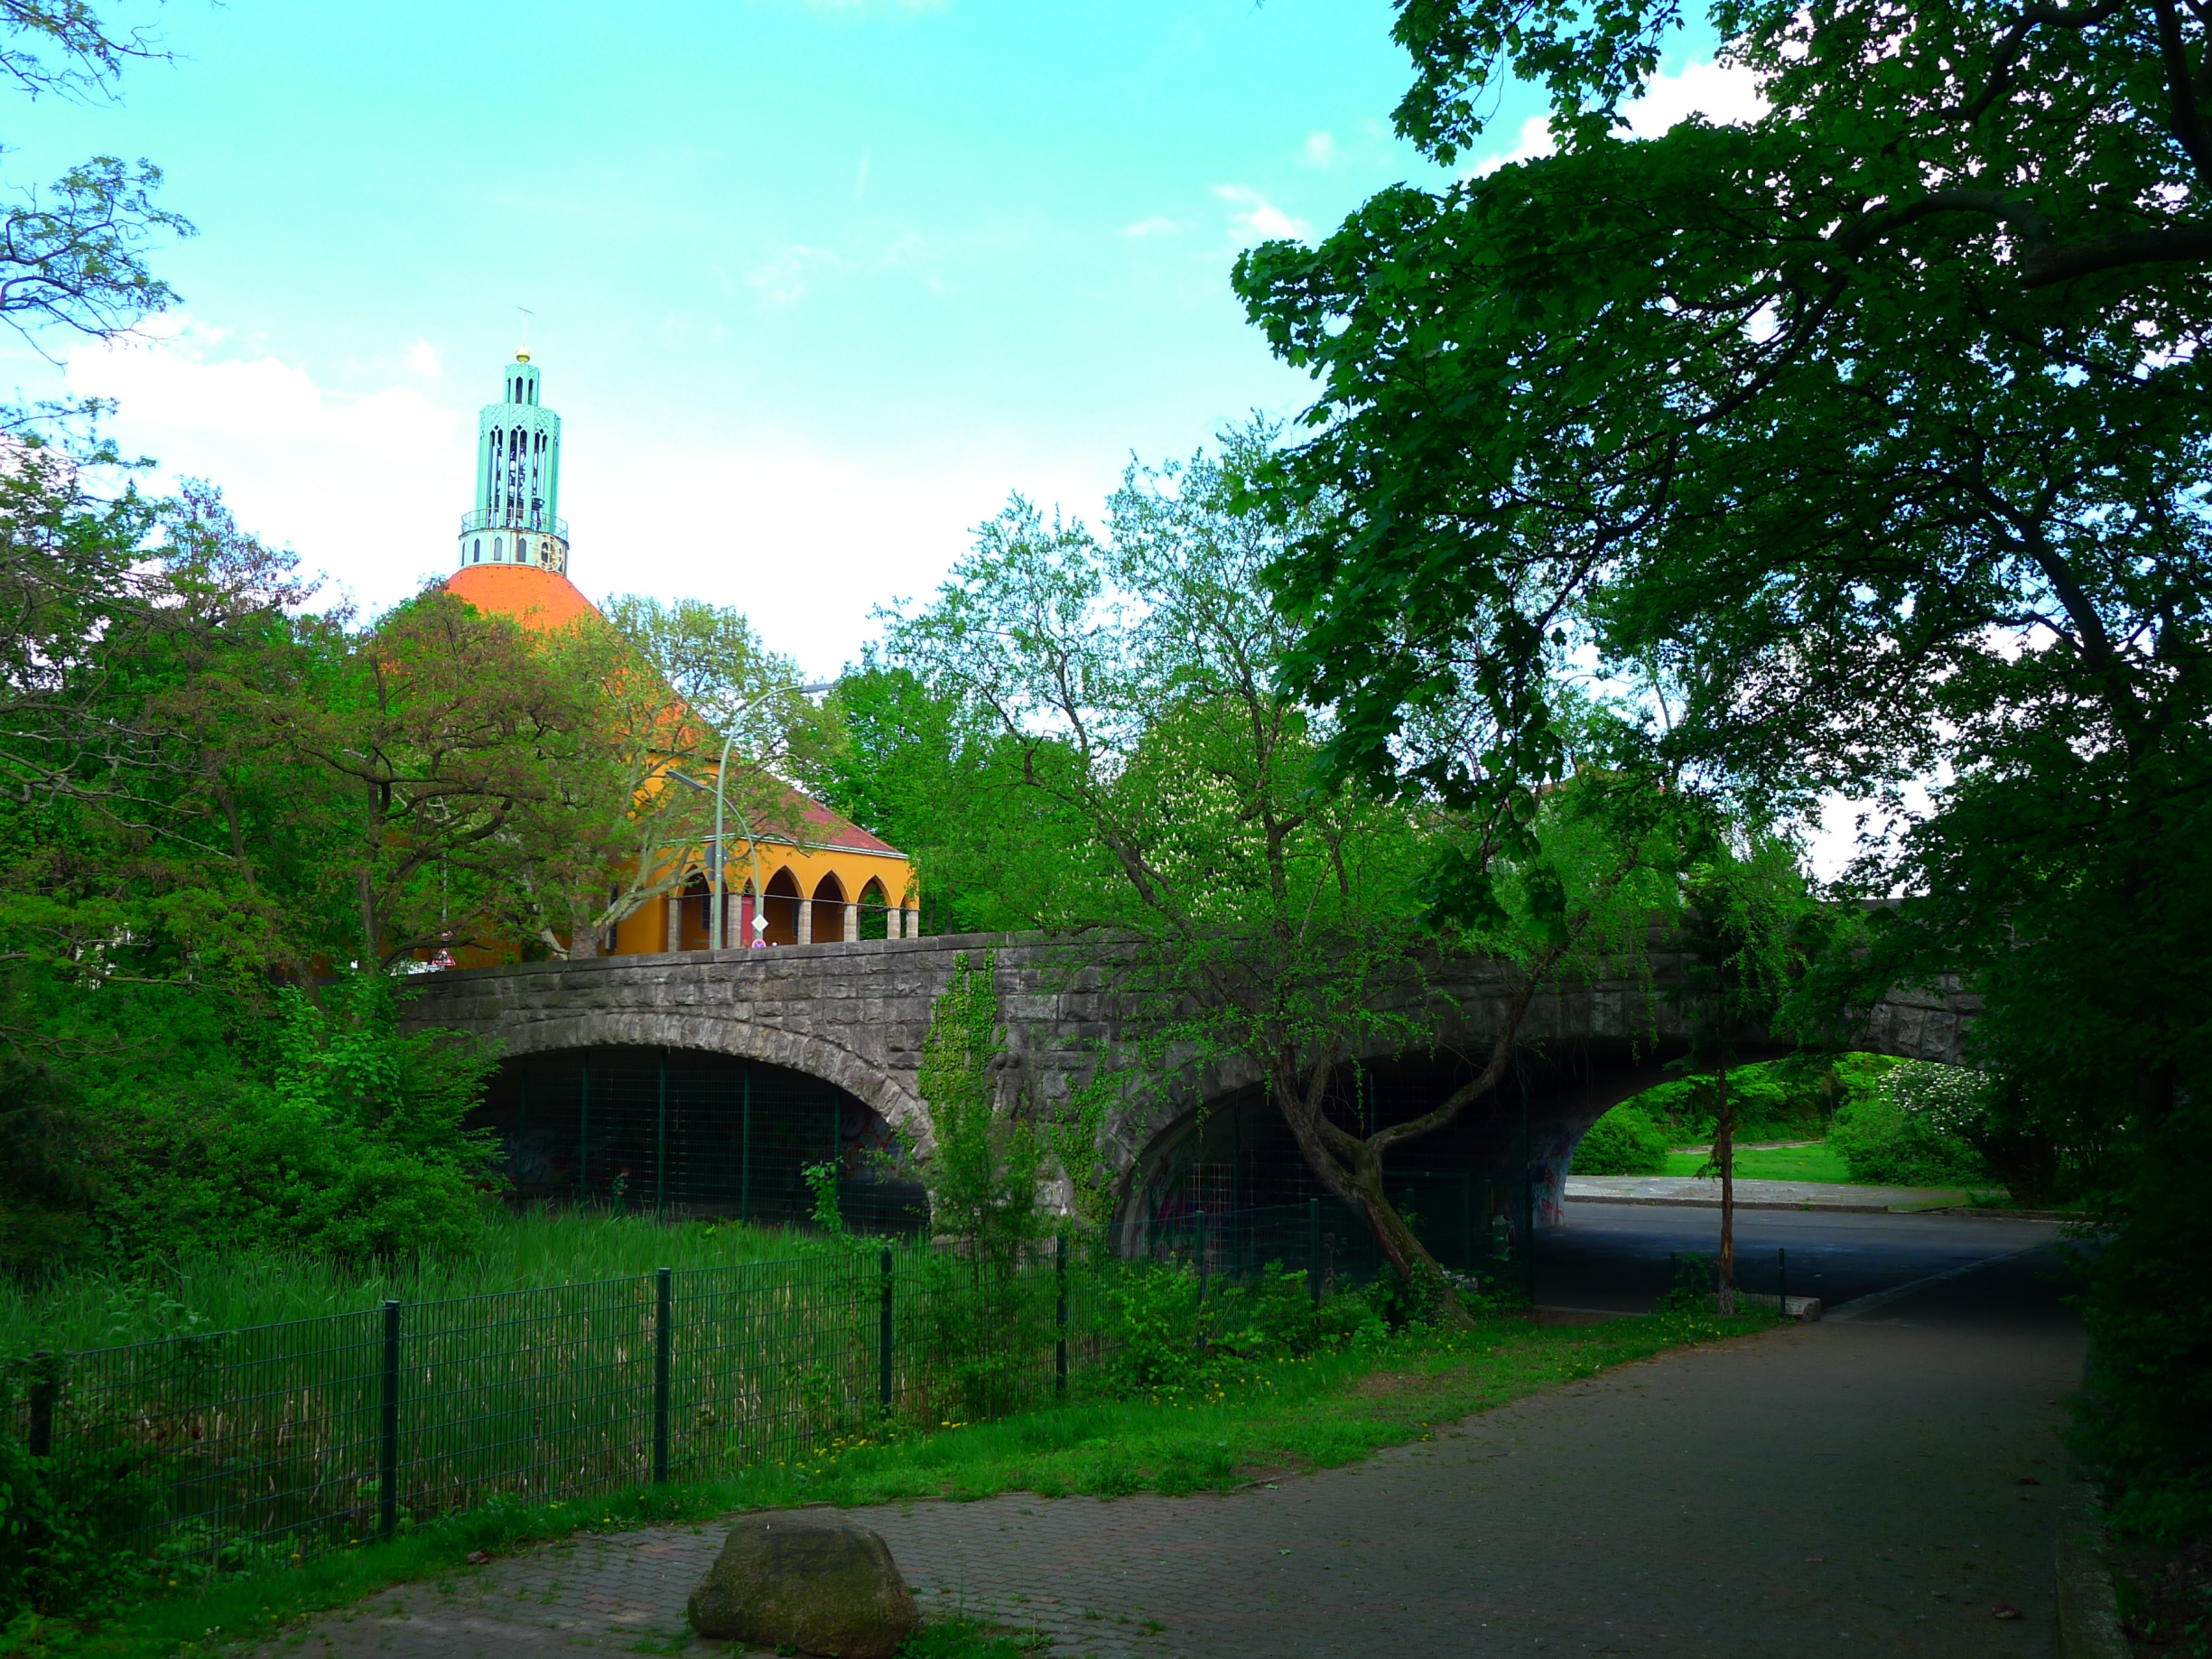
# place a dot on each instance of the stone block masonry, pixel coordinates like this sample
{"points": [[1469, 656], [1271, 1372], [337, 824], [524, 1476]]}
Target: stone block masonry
{"points": [[856, 1013]]}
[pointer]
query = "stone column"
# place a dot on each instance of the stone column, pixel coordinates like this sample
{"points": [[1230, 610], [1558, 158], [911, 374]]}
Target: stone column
{"points": [[675, 922], [852, 923], [733, 921], [806, 921], [913, 913]]}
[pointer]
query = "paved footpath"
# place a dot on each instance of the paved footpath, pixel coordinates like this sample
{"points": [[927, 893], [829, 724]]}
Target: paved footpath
{"points": [[1877, 1486]]}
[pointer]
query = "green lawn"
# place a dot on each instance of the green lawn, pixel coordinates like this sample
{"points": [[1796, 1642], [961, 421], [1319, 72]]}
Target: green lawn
{"points": [[1287, 1417], [1817, 1162]]}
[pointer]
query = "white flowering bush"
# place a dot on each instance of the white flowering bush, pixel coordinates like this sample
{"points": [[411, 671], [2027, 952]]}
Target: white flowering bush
{"points": [[1916, 1128]]}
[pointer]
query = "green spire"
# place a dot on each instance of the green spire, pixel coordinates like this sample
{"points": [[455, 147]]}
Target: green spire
{"points": [[516, 517]]}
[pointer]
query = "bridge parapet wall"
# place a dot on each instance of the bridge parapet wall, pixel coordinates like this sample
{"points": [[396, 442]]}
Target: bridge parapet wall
{"points": [[856, 1015]]}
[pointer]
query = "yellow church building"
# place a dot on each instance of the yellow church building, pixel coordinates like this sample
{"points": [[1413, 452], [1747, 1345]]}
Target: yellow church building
{"points": [[829, 881]]}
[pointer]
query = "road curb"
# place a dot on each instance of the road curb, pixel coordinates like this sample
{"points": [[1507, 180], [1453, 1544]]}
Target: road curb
{"points": [[2088, 1611], [1826, 1209], [1832, 1209]]}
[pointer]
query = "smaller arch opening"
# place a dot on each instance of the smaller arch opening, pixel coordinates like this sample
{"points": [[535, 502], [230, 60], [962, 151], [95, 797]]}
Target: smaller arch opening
{"points": [[875, 911], [780, 905], [697, 914], [830, 908]]}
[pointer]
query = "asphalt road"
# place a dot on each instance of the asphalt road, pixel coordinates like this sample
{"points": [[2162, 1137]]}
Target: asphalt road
{"points": [[1617, 1256]]}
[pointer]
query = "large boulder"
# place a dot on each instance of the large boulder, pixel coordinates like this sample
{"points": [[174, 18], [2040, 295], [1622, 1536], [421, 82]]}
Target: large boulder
{"points": [[813, 1581]]}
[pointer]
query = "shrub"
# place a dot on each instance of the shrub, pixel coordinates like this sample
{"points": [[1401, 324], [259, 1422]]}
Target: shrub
{"points": [[1160, 1340], [1914, 1128], [2145, 1419], [1627, 1141], [55, 1523], [1774, 1100], [354, 1148]]}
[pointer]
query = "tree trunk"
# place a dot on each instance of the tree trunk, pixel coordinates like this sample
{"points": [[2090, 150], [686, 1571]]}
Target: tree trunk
{"points": [[1724, 1154], [1356, 1177]]}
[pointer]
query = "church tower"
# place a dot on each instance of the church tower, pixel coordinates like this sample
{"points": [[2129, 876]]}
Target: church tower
{"points": [[516, 517]]}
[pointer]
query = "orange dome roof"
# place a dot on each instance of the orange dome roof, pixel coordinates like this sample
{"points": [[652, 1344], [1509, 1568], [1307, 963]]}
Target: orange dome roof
{"points": [[539, 600]]}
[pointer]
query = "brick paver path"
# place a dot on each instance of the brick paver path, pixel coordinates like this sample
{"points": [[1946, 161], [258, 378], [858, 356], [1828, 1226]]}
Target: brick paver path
{"points": [[1844, 1489]]}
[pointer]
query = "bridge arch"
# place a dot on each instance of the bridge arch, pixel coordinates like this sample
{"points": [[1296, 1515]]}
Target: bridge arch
{"points": [[695, 1133], [815, 1055]]}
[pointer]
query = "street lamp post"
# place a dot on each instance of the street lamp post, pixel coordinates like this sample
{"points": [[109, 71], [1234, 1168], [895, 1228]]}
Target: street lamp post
{"points": [[752, 847], [752, 841]]}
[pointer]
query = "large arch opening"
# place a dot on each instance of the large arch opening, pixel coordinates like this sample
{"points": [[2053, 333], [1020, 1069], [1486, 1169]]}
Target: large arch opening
{"points": [[780, 906], [1474, 1191], [682, 1133], [829, 917]]}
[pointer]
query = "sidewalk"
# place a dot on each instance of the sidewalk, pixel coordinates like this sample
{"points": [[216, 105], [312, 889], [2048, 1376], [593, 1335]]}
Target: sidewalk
{"points": [[1705, 1191], [1876, 1486]]}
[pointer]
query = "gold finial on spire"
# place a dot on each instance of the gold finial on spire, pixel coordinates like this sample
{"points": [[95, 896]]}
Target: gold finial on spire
{"points": [[522, 353]]}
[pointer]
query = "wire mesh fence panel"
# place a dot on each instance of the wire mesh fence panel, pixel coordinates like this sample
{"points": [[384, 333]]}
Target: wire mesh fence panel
{"points": [[976, 1336], [237, 1443], [770, 1361], [533, 1394]]}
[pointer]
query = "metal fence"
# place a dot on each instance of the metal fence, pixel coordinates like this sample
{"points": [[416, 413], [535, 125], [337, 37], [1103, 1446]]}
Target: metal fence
{"points": [[288, 1439], [259, 1444]]}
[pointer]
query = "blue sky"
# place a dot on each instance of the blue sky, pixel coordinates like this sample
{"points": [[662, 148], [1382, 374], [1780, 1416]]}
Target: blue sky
{"points": [[814, 285]]}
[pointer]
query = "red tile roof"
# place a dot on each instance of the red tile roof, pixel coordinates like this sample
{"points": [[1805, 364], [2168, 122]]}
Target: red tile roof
{"points": [[543, 600]]}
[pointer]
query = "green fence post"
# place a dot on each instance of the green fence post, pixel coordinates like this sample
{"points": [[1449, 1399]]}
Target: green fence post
{"points": [[883, 1338], [1202, 1262], [660, 1146], [45, 1384], [663, 1337], [1059, 1353], [1466, 1214], [387, 1458], [1313, 1249], [1527, 1232]]}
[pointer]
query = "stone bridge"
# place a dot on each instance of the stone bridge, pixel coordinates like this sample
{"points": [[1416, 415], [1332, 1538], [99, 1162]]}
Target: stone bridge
{"points": [[855, 1015]]}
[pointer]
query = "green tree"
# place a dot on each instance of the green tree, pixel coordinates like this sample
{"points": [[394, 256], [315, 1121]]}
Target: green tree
{"points": [[1876, 425], [1264, 915], [1742, 931], [925, 767]]}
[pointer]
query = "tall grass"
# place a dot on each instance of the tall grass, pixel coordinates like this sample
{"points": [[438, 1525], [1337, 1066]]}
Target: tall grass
{"points": [[99, 1306]]}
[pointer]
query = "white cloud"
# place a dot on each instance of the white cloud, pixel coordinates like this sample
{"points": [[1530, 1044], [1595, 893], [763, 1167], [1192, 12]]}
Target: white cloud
{"points": [[368, 486], [1262, 220], [812, 534], [1725, 95], [423, 358], [1321, 149], [785, 279], [1535, 141], [1154, 227], [876, 248]]}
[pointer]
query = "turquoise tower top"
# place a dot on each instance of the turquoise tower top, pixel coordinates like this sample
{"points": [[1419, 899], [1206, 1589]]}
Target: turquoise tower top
{"points": [[516, 517]]}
